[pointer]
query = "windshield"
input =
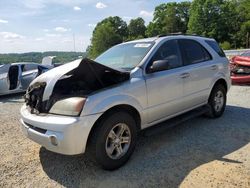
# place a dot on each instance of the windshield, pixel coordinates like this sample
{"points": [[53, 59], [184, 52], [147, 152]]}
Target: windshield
{"points": [[125, 56]]}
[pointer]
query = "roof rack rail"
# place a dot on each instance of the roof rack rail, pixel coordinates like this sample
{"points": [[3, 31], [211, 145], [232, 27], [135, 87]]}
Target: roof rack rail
{"points": [[178, 33]]}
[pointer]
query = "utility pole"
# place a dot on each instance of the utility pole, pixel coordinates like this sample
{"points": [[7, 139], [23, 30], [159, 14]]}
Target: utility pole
{"points": [[74, 42]]}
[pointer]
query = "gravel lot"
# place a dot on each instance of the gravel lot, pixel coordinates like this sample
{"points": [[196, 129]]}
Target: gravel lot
{"points": [[198, 153]]}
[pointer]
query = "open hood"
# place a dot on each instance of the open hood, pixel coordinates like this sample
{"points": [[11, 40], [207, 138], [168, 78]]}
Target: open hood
{"points": [[77, 78], [241, 60]]}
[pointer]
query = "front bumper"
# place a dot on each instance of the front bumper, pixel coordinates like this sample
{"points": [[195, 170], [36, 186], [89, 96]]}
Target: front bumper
{"points": [[61, 134]]}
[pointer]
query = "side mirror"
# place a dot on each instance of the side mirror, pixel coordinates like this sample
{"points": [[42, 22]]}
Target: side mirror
{"points": [[159, 65]]}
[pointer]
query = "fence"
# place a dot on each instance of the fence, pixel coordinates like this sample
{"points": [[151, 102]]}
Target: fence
{"points": [[230, 53]]}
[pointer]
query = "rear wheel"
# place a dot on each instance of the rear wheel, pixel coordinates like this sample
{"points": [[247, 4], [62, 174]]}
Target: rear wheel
{"points": [[217, 101], [114, 140]]}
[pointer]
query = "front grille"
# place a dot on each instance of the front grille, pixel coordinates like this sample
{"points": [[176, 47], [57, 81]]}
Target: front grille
{"points": [[43, 131]]}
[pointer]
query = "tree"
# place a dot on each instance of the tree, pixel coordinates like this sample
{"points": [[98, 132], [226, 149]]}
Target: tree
{"points": [[219, 19], [120, 27], [107, 33], [136, 29], [169, 18], [243, 10]]}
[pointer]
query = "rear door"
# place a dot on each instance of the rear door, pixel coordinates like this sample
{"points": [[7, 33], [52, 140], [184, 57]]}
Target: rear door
{"points": [[200, 70]]}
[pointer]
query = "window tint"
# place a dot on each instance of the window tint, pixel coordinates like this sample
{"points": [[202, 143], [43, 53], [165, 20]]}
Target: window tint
{"points": [[169, 51], [193, 52], [216, 47]]}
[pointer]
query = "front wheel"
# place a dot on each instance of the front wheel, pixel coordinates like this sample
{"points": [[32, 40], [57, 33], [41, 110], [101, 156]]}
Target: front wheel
{"points": [[217, 101], [114, 140]]}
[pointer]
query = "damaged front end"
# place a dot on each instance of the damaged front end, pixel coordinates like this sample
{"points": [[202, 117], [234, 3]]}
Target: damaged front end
{"points": [[33, 97], [237, 69], [64, 90]]}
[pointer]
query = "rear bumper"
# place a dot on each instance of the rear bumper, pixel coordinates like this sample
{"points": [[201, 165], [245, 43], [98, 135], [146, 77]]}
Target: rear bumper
{"points": [[241, 79], [60, 134]]}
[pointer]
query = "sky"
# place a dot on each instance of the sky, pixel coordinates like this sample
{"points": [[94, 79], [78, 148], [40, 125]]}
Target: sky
{"points": [[52, 25]]}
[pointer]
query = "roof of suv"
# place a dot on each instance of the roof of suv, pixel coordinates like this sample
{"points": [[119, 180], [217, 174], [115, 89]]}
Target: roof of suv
{"points": [[174, 36]]}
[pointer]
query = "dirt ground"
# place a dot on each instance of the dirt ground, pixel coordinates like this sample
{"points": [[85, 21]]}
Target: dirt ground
{"points": [[198, 153]]}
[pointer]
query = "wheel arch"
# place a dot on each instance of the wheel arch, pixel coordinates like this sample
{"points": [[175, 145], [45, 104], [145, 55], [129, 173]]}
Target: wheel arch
{"points": [[121, 107], [222, 82]]}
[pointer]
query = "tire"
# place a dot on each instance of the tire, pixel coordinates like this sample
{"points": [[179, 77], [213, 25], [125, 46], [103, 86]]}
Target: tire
{"points": [[106, 138], [217, 101]]}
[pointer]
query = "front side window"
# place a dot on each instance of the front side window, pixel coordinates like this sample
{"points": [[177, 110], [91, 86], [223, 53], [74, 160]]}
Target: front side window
{"points": [[125, 56], [169, 51], [193, 52]]}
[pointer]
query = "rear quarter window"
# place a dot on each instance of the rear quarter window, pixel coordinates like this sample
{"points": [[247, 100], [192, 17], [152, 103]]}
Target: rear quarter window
{"points": [[216, 47]]}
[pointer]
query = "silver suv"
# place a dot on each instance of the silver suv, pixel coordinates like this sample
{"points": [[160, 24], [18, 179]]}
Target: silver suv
{"points": [[99, 106]]}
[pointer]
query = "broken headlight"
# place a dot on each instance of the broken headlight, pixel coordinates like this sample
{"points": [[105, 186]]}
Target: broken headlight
{"points": [[70, 106]]}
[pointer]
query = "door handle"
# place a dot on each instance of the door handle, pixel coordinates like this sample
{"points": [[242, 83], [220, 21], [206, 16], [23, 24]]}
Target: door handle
{"points": [[185, 75], [213, 67]]}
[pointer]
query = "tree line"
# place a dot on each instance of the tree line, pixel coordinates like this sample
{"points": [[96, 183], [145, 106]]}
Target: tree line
{"points": [[36, 57], [227, 21]]}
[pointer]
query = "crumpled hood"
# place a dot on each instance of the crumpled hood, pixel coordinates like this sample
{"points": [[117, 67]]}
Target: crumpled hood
{"points": [[241, 60], [86, 68], [51, 76]]}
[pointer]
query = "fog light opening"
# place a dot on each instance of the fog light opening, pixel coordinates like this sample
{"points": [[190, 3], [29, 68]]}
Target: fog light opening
{"points": [[53, 140]]}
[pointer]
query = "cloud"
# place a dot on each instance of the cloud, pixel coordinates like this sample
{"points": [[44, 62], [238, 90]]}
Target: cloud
{"points": [[34, 4], [39, 39], [145, 13], [127, 17], [67, 40], [10, 35], [45, 30], [76, 8], [61, 29], [100, 5], [92, 25], [52, 35], [4, 21]]}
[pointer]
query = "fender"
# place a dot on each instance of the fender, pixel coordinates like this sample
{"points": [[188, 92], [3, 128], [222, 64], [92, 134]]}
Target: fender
{"points": [[111, 101]]}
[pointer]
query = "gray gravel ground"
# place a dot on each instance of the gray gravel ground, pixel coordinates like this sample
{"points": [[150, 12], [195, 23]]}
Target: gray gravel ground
{"points": [[198, 153]]}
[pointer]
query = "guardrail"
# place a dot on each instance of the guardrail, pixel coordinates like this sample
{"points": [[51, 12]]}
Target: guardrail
{"points": [[230, 53]]}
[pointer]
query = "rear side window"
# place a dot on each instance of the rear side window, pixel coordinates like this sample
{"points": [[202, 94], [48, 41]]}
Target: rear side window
{"points": [[216, 47], [193, 52]]}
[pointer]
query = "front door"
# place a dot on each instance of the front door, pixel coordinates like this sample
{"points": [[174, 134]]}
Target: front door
{"points": [[13, 77], [165, 88]]}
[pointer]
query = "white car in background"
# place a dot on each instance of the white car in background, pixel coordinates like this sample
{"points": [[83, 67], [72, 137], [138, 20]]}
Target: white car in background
{"points": [[16, 77], [99, 106]]}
